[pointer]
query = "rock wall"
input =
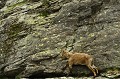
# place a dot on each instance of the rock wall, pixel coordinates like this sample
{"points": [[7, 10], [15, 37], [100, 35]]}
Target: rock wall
{"points": [[33, 32]]}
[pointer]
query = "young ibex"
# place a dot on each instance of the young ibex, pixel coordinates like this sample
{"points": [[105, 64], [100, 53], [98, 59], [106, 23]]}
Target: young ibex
{"points": [[79, 59]]}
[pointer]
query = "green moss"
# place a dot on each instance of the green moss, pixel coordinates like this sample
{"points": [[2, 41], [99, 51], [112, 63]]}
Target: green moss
{"points": [[44, 13], [14, 30], [14, 5], [18, 77], [46, 2], [41, 20], [19, 4], [112, 68], [30, 21]]}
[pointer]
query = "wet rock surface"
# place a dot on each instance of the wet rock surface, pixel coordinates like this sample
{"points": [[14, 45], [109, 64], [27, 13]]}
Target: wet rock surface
{"points": [[33, 32]]}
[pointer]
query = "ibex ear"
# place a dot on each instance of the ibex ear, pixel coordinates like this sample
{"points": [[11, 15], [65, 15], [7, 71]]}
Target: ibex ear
{"points": [[62, 50]]}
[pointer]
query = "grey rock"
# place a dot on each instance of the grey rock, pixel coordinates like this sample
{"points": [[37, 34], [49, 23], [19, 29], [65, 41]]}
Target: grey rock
{"points": [[33, 32], [78, 78]]}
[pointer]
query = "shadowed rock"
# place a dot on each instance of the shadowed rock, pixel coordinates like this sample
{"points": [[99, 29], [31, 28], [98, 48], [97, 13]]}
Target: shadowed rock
{"points": [[33, 32]]}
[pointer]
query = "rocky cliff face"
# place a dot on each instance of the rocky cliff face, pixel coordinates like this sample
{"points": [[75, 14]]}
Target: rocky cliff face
{"points": [[33, 32]]}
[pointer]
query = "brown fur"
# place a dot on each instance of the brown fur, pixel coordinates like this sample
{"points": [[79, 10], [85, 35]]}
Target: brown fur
{"points": [[81, 59]]}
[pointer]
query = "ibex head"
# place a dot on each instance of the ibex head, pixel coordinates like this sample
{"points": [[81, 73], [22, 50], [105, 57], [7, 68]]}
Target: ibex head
{"points": [[65, 54]]}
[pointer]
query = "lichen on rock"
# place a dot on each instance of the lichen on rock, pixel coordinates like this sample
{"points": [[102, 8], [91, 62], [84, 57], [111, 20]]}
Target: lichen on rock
{"points": [[33, 33]]}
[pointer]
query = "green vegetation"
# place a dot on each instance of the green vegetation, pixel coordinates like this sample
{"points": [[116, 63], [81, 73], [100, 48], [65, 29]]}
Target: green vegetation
{"points": [[14, 30], [11, 7], [18, 77], [44, 13], [112, 68]]}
